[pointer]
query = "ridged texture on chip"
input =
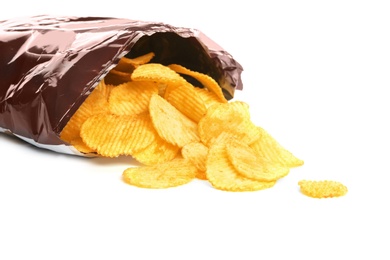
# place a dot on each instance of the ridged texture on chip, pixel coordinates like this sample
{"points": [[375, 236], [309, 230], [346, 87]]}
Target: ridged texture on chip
{"points": [[222, 175], [165, 175], [322, 189]]}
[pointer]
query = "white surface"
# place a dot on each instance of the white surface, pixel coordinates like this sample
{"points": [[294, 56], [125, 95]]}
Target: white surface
{"points": [[315, 77]]}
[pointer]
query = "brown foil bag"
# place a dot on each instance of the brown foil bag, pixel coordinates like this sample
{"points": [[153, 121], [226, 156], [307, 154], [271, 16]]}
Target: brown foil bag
{"points": [[49, 65]]}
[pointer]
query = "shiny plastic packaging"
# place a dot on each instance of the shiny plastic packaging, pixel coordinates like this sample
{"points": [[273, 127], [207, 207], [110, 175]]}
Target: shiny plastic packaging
{"points": [[49, 65]]}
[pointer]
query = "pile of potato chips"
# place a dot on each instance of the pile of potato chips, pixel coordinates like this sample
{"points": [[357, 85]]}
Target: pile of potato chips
{"points": [[178, 130]]}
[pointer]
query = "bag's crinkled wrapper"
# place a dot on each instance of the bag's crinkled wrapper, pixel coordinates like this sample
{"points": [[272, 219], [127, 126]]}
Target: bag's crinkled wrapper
{"points": [[49, 65]]}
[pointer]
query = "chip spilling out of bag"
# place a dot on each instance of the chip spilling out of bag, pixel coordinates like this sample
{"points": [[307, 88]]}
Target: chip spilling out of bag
{"points": [[322, 189], [177, 130]]}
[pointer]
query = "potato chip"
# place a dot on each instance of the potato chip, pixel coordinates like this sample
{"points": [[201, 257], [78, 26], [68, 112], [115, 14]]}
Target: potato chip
{"points": [[116, 77], [207, 81], [160, 74], [209, 98], [95, 103], [222, 175], [268, 148], [322, 189], [244, 160], [81, 146], [171, 125], [129, 64], [159, 151], [196, 153], [114, 135], [132, 98], [165, 175], [185, 99], [229, 120]]}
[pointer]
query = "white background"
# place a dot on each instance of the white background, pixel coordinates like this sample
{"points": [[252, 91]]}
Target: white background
{"points": [[316, 75]]}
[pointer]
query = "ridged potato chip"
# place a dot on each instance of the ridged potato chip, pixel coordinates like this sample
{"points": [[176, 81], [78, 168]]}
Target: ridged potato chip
{"points": [[207, 81], [132, 97], [209, 98], [229, 120], [116, 77], [248, 164], [95, 103], [159, 151], [114, 135], [322, 189], [129, 64], [165, 175], [223, 176], [270, 150], [170, 123], [196, 153], [185, 99]]}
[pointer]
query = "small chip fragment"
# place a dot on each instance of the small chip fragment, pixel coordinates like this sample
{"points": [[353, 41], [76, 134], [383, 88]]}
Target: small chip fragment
{"points": [[173, 173], [322, 189]]}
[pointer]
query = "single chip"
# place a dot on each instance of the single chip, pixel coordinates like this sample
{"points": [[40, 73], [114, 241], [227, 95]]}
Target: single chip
{"points": [[95, 103], [129, 64], [209, 98], [132, 98], [170, 123], [116, 77], [222, 175], [159, 151], [185, 99], [270, 150], [196, 153], [207, 81], [165, 175], [322, 189], [114, 135], [81, 146], [249, 165], [160, 74], [230, 120]]}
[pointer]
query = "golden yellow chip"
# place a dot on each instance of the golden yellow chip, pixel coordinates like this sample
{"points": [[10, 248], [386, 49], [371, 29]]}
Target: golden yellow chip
{"points": [[126, 65], [207, 81], [132, 98], [196, 153], [165, 175], [227, 119], [114, 135], [159, 151], [116, 77], [270, 150], [162, 75], [129, 64], [81, 146], [222, 175], [209, 98], [170, 124], [95, 103], [185, 99], [246, 163], [322, 189]]}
